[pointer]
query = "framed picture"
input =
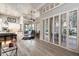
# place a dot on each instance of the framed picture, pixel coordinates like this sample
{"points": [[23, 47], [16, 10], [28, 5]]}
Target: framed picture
{"points": [[13, 20]]}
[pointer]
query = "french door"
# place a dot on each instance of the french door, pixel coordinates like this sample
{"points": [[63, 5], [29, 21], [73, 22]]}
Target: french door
{"points": [[63, 29], [51, 29], [73, 29], [45, 30], [56, 29], [65, 32]]}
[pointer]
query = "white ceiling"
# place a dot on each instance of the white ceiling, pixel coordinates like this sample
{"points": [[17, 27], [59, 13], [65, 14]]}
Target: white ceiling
{"points": [[18, 9]]}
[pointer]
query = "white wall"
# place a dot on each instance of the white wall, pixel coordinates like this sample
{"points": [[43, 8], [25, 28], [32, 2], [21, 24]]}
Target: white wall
{"points": [[10, 25]]}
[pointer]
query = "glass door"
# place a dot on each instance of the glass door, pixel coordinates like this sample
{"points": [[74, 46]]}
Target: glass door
{"points": [[33, 26], [51, 29], [56, 29], [73, 29], [63, 30], [43, 28], [26, 28], [46, 29]]}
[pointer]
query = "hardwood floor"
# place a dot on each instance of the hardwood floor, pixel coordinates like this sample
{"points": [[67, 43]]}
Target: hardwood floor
{"points": [[41, 48], [37, 47]]}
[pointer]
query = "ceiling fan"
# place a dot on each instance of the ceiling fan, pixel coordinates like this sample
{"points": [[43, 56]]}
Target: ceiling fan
{"points": [[32, 15]]}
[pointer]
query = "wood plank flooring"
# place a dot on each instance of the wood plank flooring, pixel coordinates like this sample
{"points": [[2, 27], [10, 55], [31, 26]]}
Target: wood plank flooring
{"points": [[40, 48]]}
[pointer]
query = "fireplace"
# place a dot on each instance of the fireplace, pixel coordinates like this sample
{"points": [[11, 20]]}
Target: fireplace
{"points": [[8, 44]]}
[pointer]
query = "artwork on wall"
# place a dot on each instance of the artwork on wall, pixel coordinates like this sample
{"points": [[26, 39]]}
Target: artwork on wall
{"points": [[13, 20]]}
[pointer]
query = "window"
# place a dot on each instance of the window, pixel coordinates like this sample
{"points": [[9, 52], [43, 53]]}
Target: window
{"points": [[33, 26], [73, 29], [47, 7], [46, 25], [46, 29], [43, 28], [51, 29], [0, 24], [63, 30], [56, 4], [56, 29], [40, 10], [43, 10], [25, 27], [51, 5]]}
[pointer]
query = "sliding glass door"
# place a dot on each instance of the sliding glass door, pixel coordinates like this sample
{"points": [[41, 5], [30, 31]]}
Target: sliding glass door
{"points": [[56, 29], [63, 30], [73, 29]]}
